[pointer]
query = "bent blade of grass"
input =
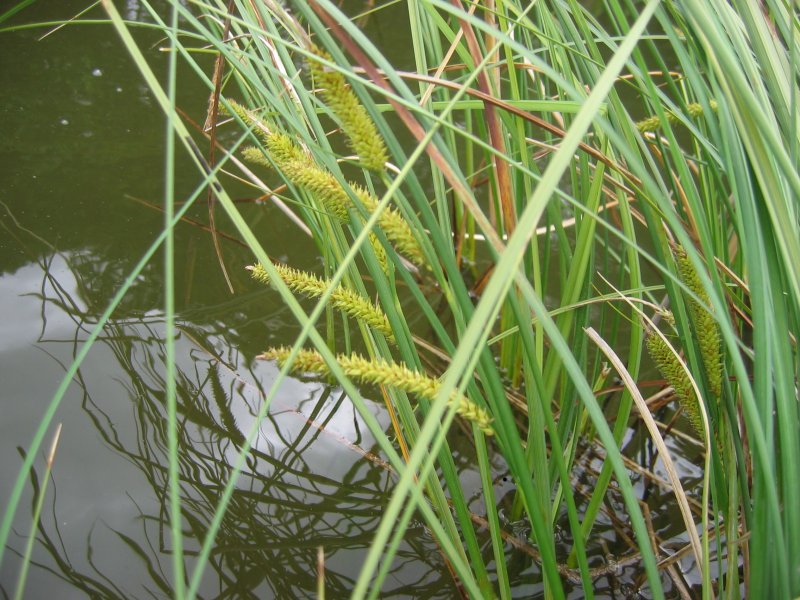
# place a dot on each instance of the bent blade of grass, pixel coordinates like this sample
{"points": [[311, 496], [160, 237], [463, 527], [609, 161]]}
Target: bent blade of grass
{"points": [[655, 435], [15, 9], [601, 299]]}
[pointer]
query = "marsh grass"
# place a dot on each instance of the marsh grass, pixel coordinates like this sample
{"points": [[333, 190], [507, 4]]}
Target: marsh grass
{"points": [[554, 159]]}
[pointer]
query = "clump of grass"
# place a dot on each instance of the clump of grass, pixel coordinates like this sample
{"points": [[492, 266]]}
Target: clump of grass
{"points": [[732, 179]]}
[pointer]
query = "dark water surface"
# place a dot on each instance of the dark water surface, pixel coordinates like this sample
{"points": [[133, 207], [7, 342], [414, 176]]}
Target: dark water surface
{"points": [[81, 157]]}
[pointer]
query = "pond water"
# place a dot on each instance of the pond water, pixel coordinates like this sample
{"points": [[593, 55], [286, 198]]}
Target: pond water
{"points": [[82, 162]]}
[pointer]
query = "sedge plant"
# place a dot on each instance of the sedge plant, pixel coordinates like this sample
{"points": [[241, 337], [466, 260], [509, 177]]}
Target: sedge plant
{"points": [[533, 161]]}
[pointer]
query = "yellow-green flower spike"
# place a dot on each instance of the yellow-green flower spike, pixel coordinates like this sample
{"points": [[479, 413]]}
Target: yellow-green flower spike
{"points": [[649, 124], [322, 184], [306, 361], [394, 226], [673, 371], [345, 105], [380, 372], [342, 298], [283, 149], [254, 155], [239, 110], [302, 171], [706, 328], [259, 127]]}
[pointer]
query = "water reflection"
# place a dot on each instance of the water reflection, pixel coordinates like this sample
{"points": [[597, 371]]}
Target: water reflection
{"points": [[310, 480]]}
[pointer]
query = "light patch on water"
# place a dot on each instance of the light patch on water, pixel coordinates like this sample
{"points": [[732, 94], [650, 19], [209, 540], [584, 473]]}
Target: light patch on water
{"points": [[300, 409], [25, 315]]}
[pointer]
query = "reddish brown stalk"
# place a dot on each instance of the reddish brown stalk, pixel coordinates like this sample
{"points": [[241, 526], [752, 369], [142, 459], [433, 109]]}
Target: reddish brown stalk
{"points": [[211, 123], [495, 131], [411, 124]]}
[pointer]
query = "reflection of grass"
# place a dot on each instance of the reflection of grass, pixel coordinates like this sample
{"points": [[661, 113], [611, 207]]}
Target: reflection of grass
{"points": [[283, 508], [711, 170], [279, 498]]}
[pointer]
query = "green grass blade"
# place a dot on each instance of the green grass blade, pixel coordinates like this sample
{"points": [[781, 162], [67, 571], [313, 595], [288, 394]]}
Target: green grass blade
{"points": [[176, 517]]}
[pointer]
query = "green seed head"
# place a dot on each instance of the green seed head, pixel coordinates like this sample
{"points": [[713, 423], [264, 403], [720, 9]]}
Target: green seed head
{"points": [[706, 327], [673, 371], [346, 300], [379, 372], [347, 108]]}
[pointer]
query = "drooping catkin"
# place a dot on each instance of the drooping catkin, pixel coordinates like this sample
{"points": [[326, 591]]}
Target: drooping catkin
{"points": [[259, 127], [394, 226], [357, 125], [283, 149], [353, 304], [674, 372], [237, 109], [380, 372], [300, 168], [303, 172], [322, 184], [706, 328], [254, 155], [296, 165]]}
